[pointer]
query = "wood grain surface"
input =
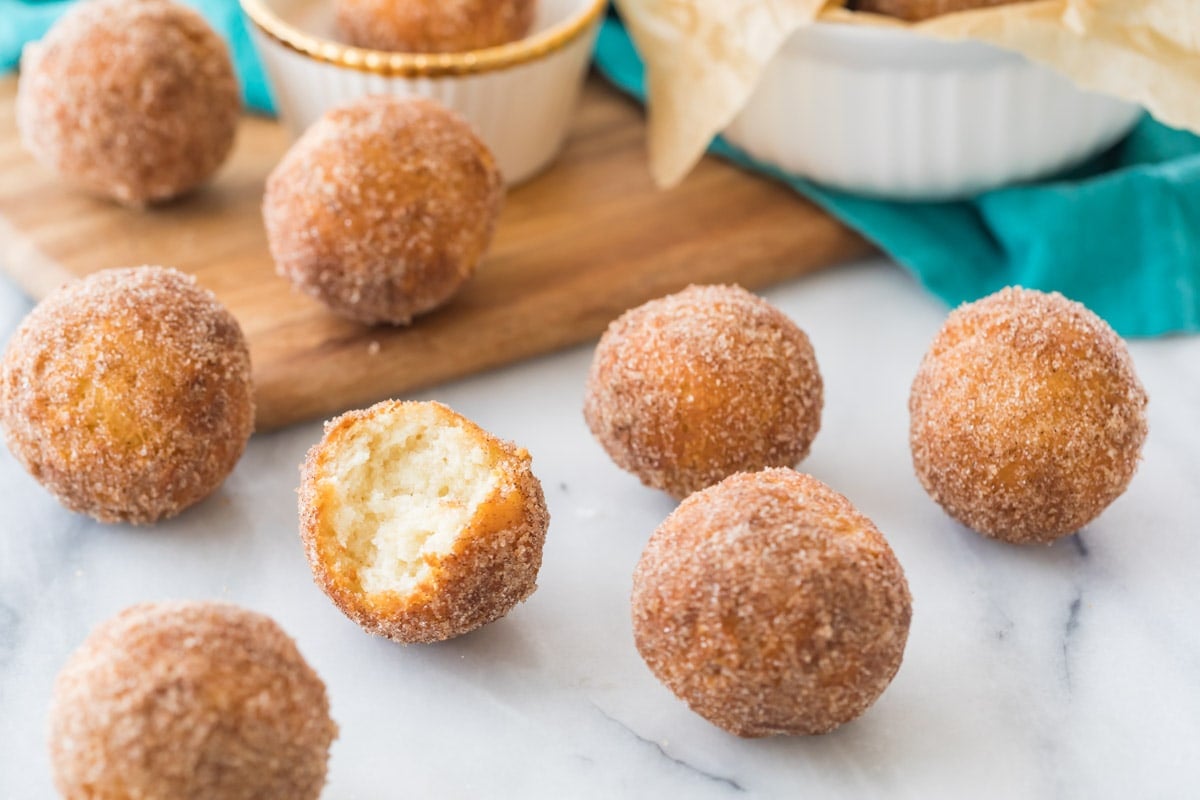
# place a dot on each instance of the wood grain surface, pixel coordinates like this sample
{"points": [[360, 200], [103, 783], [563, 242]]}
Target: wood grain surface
{"points": [[575, 247]]}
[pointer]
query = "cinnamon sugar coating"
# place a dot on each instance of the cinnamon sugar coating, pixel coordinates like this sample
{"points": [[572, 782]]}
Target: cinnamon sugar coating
{"points": [[127, 394], [135, 100], [189, 701], [690, 388], [917, 10], [467, 503], [770, 605], [383, 208], [433, 26], [1027, 416]]}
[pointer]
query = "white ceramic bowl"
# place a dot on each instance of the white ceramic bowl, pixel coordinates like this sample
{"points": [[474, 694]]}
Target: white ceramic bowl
{"points": [[891, 113], [518, 96]]}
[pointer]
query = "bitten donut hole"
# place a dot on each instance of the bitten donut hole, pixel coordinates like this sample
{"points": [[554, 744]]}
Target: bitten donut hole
{"points": [[407, 488], [418, 524]]}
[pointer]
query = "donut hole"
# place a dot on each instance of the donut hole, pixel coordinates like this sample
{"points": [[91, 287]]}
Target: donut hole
{"points": [[383, 209], [128, 394], [418, 524], [770, 605], [189, 700], [433, 26], [406, 490], [1027, 416], [690, 388], [135, 101]]}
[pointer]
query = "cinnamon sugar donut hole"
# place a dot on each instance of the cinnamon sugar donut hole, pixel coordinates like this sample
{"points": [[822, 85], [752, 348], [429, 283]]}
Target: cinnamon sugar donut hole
{"points": [[433, 26], [135, 100], [917, 10], [690, 388], [418, 524], [127, 394], [1027, 416], [770, 605], [383, 208], [189, 701]]}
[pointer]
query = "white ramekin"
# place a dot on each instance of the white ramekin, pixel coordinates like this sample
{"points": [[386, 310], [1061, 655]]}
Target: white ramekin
{"points": [[888, 112], [518, 96]]}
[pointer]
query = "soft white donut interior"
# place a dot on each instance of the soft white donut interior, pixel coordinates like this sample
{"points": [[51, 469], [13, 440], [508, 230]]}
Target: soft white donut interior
{"points": [[407, 485]]}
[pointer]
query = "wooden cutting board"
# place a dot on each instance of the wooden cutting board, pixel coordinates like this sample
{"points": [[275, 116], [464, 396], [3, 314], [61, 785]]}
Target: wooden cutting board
{"points": [[575, 248]]}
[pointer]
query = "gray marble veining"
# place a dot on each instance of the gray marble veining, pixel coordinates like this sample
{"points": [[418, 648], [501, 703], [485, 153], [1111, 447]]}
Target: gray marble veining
{"points": [[1070, 671]]}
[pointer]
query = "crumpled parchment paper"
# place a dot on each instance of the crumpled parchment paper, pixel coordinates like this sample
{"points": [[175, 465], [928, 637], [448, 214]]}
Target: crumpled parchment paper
{"points": [[704, 57]]}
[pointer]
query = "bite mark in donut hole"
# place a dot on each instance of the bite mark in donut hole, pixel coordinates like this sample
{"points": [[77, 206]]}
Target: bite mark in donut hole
{"points": [[418, 524]]}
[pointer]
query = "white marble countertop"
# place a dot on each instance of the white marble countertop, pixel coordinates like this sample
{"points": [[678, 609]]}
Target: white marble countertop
{"points": [[1067, 671]]}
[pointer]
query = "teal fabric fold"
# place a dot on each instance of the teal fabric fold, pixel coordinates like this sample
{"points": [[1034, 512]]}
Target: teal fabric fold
{"points": [[23, 21], [1120, 234]]}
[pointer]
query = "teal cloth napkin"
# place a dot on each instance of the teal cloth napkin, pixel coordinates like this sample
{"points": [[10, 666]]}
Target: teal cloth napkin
{"points": [[1121, 234], [22, 21]]}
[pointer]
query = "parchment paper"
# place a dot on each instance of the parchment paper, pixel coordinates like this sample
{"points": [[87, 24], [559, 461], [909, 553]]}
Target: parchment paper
{"points": [[705, 57]]}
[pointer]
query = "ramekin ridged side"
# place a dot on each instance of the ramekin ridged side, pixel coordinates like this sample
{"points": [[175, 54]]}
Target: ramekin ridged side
{"points": [[890, 113]]}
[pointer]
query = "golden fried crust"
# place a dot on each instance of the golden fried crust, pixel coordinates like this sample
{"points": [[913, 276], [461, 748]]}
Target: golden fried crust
{"points": [[127, 394], [493, 565], [189, 701], [693, 387], [383, 208], [916, 10], [132, 99], [769, 605], [1027, 419], [433, 26]]}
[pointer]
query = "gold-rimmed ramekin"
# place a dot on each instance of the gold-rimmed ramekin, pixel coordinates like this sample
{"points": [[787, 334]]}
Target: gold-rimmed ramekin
{"points": [[518, 96]]}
